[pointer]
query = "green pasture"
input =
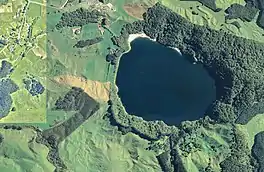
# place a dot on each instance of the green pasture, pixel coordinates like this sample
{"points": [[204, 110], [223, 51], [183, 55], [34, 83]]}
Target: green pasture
{"points": [[19, 152], [101, 147]]}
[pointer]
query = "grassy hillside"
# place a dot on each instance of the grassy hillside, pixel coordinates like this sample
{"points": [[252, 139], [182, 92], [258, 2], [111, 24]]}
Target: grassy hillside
{"points": [[101, 147], [19, 152]]}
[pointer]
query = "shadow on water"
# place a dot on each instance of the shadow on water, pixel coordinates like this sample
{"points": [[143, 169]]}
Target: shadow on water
{"points": [[158, 83]]}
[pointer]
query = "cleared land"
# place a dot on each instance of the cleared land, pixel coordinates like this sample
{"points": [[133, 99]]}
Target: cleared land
{"points": [[19, 152], [97, 90]]}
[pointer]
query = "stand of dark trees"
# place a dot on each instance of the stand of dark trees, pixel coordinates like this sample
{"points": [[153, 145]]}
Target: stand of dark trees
{"points": [[7, 87], [258, 150], [247, 12], [75, 100], [170, 161], [72, 101], [113, 56], [239, 160], [236, 64], [248, 114], [78, 17], [88, 42], [1, 138], [5, 69], [2, 42]]}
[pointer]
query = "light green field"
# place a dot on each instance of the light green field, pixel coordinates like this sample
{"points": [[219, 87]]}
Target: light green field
{"points": [[100, 147], [253, 127], [19, 152]]}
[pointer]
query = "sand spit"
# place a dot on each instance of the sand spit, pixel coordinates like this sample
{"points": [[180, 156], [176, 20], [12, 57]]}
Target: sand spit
{"points": [[97, 90]]}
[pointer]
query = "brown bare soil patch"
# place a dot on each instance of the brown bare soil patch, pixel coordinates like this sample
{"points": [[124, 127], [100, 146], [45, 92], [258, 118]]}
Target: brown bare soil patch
{"points": [[136, 10], [97, 90]]}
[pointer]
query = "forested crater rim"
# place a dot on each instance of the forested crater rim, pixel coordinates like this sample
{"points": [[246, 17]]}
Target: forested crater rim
{"points": [[156, 82], [229, 59]]}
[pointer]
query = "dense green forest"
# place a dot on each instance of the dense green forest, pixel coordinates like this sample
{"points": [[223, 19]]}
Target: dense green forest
{"points": [[78, 17], [245, 13], [88, 42], [235, 63]]}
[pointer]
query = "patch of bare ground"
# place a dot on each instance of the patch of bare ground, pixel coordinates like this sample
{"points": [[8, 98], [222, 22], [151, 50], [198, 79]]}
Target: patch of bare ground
{"points": [[136, 10], [97, 90]]}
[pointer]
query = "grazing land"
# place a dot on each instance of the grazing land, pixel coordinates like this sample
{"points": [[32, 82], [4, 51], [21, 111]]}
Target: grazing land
{"points": [[60, 105]]}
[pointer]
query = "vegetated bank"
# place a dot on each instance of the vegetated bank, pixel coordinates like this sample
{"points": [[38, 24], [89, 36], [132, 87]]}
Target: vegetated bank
{"points": [[158, 83], [235, 63]]}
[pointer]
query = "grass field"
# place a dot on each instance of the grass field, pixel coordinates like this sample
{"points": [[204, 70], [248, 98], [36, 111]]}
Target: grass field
{"points": [[253, 127], [19, 152], [101, 147]]}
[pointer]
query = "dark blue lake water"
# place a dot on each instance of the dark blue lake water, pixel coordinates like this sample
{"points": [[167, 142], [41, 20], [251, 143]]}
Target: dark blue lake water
{"points": [[158, 83]]}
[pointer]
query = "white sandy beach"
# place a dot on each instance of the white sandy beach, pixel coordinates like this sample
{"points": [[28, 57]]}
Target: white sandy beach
{"points": [[177, 49], [139, 35], [143, 35]]}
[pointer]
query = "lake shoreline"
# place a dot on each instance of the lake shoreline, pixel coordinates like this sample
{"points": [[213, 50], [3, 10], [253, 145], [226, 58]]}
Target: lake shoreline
{"points": [[132, 37], [155, 82]]}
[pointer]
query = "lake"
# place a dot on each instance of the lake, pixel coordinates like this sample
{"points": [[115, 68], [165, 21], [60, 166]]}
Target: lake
{"points": [[158, 83]]}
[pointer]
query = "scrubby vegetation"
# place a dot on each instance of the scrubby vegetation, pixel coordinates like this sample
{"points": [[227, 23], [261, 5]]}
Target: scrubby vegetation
{"points": [[88, 42], [78, 17]]}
